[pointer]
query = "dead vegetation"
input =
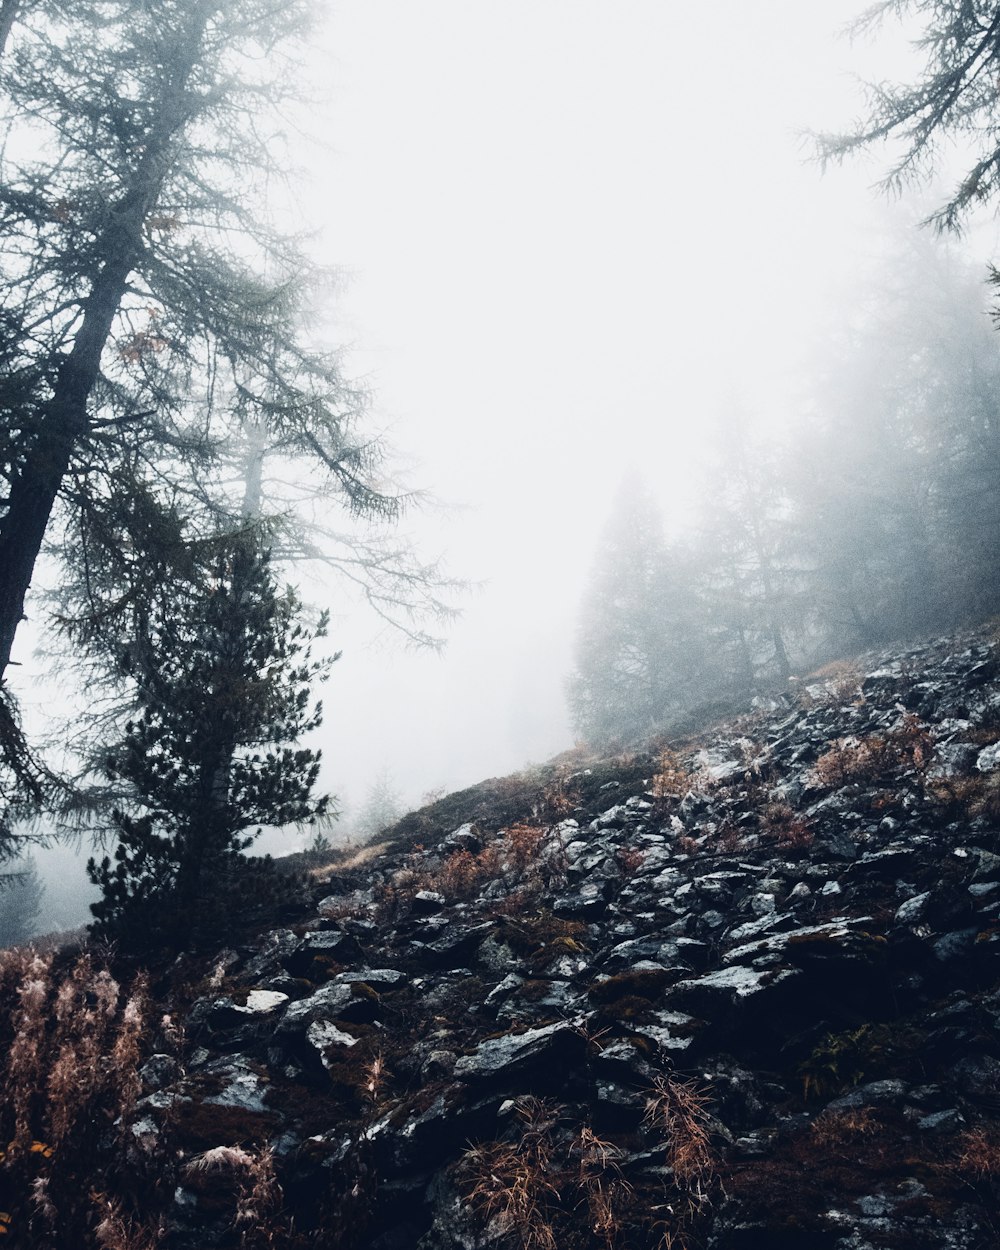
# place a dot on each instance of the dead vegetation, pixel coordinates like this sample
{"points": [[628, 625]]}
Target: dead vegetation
{"points": [[909, 745], [532, 1186]]}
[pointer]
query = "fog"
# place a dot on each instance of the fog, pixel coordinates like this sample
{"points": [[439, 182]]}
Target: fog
{"points": [[569, 235], [572, 233]]}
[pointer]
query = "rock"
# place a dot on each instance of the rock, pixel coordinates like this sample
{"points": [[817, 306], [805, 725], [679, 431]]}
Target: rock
{"points": [[427, 903], [465, 838], [731, 995], [242, 1085], [988, 758], [503, 1058], [158, 1072], [326, 1003], [380, 978], [329, 1041], [321, 948], [913, 909]]}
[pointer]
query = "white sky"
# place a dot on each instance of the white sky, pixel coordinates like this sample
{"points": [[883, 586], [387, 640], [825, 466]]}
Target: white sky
{"points": [[573, 229]]}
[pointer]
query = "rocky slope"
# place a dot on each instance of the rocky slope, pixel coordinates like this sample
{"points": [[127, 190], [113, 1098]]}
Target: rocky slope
{"points": [[741, 992]]}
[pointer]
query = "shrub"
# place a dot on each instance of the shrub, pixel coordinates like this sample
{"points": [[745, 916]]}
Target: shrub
{"points": [[676, 1110], [908, 745], [512, 1186], [787, 828], [672, 779]]}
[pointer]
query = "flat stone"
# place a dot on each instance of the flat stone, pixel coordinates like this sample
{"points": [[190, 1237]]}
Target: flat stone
{"points": [[242, 1086], [503, 1056], [387, 978], [325, 1004], [913, 909], [323, 1036], [988, 758]]}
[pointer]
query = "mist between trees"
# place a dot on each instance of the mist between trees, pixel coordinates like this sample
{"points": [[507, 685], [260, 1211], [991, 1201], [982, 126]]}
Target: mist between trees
{"points": [[879, 517]]}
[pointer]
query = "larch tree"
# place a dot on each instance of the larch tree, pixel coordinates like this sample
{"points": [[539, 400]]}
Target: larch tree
{"points": [[953, 99], [637, 652], [154, 319]]}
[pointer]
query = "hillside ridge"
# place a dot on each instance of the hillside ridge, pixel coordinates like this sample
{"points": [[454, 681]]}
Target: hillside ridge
{"points": [[737, 992]]}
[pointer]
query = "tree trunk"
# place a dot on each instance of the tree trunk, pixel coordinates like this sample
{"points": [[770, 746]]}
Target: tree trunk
{"points": [[8, 12], [66, 420]]}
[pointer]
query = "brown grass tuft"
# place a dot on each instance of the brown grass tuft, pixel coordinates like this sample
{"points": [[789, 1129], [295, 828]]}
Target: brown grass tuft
{"points": [[908, 745]]}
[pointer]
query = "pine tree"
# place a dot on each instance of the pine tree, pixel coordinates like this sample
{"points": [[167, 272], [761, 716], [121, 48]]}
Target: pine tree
{"points": [[953, 99], [223, 693]]}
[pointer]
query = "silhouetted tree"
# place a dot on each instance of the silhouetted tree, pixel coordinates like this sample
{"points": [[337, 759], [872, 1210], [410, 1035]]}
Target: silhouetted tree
{"points": [[750, 587], [154, 322], [381, 808], [21, 892], [222, 683]]}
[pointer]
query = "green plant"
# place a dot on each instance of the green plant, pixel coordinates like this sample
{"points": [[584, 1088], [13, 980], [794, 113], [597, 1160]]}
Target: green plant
{"points": [[840, 1061]]}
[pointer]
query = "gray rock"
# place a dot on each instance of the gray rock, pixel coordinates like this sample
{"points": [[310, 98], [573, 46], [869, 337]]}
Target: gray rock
{"points": [[988, 758], [499, 1057], [158, 1072], [327, 1040], [875, 1094], [242, 1085], [913, 909], [325, 1004], [377, 978], [949, 1121]]}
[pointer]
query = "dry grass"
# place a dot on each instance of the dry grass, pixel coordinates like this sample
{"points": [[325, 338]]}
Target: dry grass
{"points": [[512, 1186], [787, 828], [259, 1201], [603, 1188], [629, 859], [978, 795], [464, 873], [979, 1153], [908, 745], [73, 1040], [676, 1110], [351, 859], [524, 846], [843, 1130], [673, 779]]}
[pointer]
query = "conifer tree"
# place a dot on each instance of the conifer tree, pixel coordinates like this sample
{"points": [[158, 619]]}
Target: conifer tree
{"points": [[639, 656], [222, 683], [155, 322]]}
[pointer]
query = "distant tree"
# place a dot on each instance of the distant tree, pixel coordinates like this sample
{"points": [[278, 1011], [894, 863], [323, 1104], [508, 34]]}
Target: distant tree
{"points": [[223, 693], [893, 479], [382, 806], [750, 587], [638, 653], [21, 892]]}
